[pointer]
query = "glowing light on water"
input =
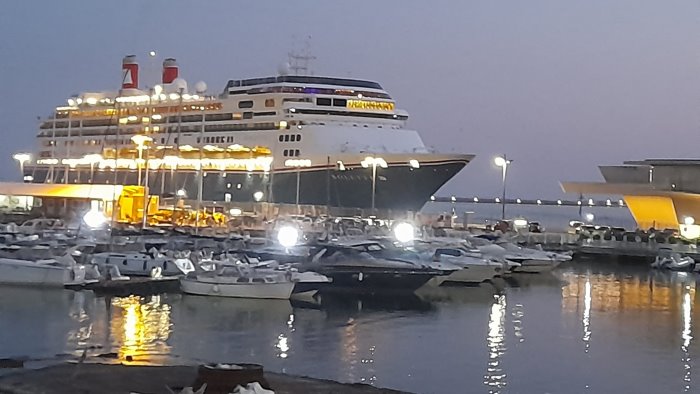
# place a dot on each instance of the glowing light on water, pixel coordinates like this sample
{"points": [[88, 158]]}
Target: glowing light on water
{"points": [[586, 320], [495, 376], [282, 345]]}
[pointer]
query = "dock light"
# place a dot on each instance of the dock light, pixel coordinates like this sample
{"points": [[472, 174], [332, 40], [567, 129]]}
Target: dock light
{"points": [[518, 201], [404, 232], [258, 196], [152, 53], [288, 236], [689, 220], [620, 203], [181, 193], [590, 201], [414, 163], [503, 162], [498, 200], [476, 199], [558, 202], [539, 202], [453, 199], [590, 217], [94, 218]]}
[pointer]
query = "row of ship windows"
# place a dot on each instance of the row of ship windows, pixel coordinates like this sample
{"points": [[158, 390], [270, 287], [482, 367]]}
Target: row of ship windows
{"points": [[289, 138], [167, 119], [290, 153], [309, 90], [171, 129]]}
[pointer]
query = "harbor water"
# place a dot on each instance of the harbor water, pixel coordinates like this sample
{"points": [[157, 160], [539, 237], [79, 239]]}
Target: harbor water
{"points": [[588, 326]]}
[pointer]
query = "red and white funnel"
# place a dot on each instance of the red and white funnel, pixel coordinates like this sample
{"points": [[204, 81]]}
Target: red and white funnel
{"points": [[170, 70], [130, 73]]}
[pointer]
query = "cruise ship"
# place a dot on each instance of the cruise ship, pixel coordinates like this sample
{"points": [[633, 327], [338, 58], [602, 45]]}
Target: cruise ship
{"points": [[300, 139]]}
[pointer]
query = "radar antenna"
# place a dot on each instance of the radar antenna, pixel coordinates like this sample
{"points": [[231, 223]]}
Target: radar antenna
{"points": [[299, 61]]}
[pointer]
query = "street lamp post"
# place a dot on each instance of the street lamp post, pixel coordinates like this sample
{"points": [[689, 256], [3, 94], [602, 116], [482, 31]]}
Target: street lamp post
{"points": [[373, 162], [93, 159], [503, 162], [297, 163], [140, 141], [21, 159]]}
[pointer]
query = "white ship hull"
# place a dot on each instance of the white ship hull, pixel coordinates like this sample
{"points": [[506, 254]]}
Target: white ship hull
{"points": [[280, 291], [21, 272]]}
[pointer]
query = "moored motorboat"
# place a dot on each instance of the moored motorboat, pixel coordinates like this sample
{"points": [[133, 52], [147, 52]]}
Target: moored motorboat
{"points": [[25, 272], [235, 281], [352, 267], [674, 261], [143, 264]]}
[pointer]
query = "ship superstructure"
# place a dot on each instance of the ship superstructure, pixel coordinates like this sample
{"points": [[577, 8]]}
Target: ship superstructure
{"points": [[283, 139]]}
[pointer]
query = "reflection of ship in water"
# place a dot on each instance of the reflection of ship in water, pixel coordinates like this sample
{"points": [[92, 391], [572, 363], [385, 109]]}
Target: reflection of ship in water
{"points": [[140, 327]]}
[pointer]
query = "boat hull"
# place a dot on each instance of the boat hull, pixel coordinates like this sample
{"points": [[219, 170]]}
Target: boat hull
{"points": [[535, 266], [280, 291], [399, 186], [375, 280], [16, 272], [470, 274]]}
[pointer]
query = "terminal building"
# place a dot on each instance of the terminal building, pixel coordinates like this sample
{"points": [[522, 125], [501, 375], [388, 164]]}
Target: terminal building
{"points": [[660, 193]]}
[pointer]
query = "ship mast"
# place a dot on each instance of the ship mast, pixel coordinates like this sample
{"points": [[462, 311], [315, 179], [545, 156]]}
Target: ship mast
{"points": [[299, 61]]}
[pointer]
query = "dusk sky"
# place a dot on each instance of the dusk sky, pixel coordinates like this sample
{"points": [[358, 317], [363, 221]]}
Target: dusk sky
{"points": [[559, 86]]}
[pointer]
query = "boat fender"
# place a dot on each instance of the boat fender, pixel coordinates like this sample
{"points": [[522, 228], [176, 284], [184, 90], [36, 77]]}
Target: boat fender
{"points": [[360, 277]]}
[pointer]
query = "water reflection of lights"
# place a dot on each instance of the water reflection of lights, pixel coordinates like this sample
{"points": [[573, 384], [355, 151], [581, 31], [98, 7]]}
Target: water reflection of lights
{"points": [[686, 335], [81, 336], [282, 346], [290, 322], [586, 320], [495, 376], [144, 326], [518, 314]]}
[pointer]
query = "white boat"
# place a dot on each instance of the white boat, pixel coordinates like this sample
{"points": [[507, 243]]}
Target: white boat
{"points": [[25, 272], [233, 281], [529, 260], [143, 264], [666, 259]]}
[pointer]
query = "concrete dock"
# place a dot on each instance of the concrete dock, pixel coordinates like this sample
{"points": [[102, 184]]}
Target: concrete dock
{"points": [[119, 379]]}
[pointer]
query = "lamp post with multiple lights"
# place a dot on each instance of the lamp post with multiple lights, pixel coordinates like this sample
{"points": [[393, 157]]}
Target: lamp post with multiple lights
{"points": [[503, 162], [21, 159], [373, 162]]}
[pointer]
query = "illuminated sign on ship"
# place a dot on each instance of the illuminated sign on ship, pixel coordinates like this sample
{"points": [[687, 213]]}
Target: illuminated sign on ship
{"points": [[373, 105]]}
